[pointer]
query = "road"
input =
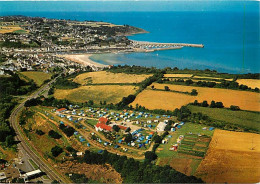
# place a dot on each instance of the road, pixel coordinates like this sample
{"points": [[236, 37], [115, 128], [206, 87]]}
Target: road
{"points": [[41, 162]]}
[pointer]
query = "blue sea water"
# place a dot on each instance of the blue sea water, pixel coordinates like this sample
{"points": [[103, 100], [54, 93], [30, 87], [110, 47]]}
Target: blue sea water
{"points": [[222, 27]]}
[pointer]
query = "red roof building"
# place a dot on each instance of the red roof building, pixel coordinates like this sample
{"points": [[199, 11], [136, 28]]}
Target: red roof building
{"points": [[103, 120], [102, 126], [61, 110], [122, 127]]}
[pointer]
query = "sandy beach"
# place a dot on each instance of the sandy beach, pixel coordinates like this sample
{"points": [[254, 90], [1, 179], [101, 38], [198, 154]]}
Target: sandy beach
{"points": [[83, 59]]}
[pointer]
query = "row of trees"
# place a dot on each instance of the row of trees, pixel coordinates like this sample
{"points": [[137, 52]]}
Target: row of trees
{"points": [[213, 104], [223, 84]]}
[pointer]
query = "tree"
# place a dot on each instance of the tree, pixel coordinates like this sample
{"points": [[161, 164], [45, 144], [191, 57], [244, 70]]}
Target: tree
{"points": [[194, 92], [166, 88], [51, 91], [149, 155], [212, 104], [196, 103], [9, 140], [219, 105], [234, 108], [128, 138], [152, 86], [54, 134], [157, 139], [90, 102], [39, 132], [188, 82], [128, 129], [205, 104], [56, 150], [116, 128]]}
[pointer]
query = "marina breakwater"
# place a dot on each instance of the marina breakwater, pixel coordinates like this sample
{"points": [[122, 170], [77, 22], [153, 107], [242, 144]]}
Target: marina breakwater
{"points": [[156, 45]]}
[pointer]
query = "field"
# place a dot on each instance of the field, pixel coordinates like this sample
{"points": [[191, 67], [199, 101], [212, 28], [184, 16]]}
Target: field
{"points": [[244, 118], [166, 100], [37, 77], [10, 29], [244, 99], [108, 77], [108, 93], [177, 75], [184, 163], [229, 162], [101, 173], [253, 83]]}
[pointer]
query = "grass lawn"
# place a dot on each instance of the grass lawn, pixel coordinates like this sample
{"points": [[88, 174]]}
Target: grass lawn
{"points": [[91, 122], [35, 166], [37, 77], [244, 118]]}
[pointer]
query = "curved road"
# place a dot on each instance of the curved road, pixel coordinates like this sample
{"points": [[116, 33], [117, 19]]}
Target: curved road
{"points": [[42, 163]]}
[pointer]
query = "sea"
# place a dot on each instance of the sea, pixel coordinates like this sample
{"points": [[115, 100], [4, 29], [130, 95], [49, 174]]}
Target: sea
{"points": [[229, 30]]}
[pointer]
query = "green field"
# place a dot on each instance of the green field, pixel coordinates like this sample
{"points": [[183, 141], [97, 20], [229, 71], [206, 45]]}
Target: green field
{"points": [[20, 31], [243, 118], [37, 77]]}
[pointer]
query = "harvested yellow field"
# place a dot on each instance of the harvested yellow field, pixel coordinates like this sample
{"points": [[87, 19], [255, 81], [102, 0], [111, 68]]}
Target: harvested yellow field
{"points": [[166, 100], [109, 77], [244, 99], [37, 77], [233, 157], [108, 93], [252, 83], [9, 29], [205, 77], [177, 75]]}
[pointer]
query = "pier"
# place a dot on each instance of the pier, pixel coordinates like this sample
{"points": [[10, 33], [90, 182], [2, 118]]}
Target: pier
{"points": [[154, 45]]}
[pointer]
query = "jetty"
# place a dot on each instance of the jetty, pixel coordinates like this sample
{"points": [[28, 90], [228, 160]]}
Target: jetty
{"points": [[156, 45]]}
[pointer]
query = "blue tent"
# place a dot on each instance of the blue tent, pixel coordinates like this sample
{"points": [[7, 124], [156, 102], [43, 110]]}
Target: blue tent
{"points": [[157, 116], [139, 130], [61, 122], [120, 141], [178, 126], [76, 133], [116, 146], [100, 151], [211, 128], [88, 145]]}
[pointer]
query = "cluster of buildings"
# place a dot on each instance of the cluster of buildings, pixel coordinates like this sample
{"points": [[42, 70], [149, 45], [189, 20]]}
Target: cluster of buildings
{"points": [[19, 61], [53, 35], [11, 173]]}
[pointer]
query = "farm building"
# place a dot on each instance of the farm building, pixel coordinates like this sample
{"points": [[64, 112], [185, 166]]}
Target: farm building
{"points": [[103, 120], [61, 110], [102, 127], [161, 126]]}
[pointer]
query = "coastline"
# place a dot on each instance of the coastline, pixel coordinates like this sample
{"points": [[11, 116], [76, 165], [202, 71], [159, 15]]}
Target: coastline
{"points": [[83, 59]]}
